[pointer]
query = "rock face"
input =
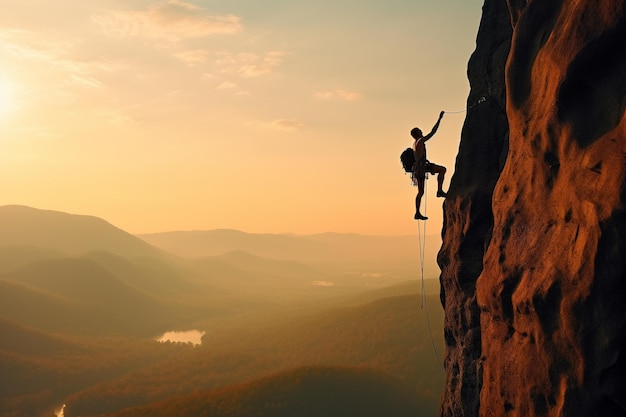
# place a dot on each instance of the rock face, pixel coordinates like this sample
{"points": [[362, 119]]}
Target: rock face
{"points": [[534, 239]]}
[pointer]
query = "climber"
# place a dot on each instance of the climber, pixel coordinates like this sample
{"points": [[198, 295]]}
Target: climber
{"points": [[422, 166]]}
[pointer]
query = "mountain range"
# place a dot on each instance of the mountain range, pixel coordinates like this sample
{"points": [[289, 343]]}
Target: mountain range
{"points": [[324, 247], [82, 301], [22, 226]]}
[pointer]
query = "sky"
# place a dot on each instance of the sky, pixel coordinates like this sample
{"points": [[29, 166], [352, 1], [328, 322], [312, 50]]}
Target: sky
{"points": [[266, 116]]}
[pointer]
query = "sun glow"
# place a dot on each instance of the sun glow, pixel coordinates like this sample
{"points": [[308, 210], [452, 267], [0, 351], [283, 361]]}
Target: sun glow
{"points": [[6, 98]]}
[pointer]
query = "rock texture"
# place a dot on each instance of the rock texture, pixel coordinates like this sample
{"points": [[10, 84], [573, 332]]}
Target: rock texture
{"points": [[534, 239]]}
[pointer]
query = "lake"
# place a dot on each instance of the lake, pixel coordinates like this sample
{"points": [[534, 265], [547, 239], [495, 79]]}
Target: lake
{"points": [[187, 336]]}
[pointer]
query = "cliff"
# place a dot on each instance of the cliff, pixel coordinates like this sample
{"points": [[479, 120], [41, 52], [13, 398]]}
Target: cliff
{"points": [[534, 236]]}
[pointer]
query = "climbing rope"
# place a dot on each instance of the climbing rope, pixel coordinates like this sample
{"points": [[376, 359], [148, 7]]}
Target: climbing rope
{"points": [[421, 233], [480, 100]]}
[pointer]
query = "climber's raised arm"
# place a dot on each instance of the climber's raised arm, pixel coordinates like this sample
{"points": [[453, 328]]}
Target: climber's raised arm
{"points": [[435, 127]]}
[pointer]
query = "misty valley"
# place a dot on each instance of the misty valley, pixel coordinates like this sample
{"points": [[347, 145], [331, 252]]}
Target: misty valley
{"points": [[96, 321]]}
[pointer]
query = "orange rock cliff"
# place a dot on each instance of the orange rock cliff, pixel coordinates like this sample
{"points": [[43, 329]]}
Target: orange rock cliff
{"points": [[533, 259]]}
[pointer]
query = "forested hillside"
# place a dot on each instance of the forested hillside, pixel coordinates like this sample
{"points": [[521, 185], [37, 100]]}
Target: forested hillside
{"points": [[389, 335], [303, 392], [40, 369]]}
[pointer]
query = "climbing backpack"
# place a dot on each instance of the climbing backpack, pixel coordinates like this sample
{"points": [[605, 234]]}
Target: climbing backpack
{"points": [[407, 157]]}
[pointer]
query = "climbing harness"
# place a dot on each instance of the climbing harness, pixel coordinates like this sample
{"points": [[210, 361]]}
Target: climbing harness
{"points": [[421, 234]]}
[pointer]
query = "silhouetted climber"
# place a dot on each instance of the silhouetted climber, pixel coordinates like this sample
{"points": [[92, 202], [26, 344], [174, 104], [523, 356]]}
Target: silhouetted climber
{"points": [[422, 166]]}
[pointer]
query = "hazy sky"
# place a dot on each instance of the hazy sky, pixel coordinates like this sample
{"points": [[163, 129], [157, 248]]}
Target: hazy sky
{"points": [[259, 115]]}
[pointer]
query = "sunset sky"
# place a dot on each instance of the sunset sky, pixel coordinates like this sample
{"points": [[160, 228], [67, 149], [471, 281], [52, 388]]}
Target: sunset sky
{"points": [[270, 116]]}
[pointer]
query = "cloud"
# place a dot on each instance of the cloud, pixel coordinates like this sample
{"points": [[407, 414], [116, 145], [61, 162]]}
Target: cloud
{"points": [[338, 94], [115, 116], [323, 283], [226, 85], [55, 56], [249, 65], [285, 124], [173, 21], [31, 46], [84, 81], [233, 87], [192, 57]]}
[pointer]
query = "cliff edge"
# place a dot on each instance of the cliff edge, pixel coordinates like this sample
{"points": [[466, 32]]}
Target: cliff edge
{"points": [[534, 238]]}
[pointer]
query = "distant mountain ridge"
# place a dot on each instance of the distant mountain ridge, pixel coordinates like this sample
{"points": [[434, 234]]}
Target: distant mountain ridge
{"points": [[57, 268], [78, 295], [201, 243], [22, 226], [76, 273], [26, 231], [314, 247]]}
